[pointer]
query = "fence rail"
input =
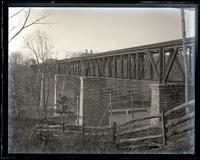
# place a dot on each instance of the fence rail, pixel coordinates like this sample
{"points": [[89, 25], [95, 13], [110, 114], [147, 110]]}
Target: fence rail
{"points": [[180, 130], [177, 121], [182, 106], [140, 138], [140, 119], [138, 129]]}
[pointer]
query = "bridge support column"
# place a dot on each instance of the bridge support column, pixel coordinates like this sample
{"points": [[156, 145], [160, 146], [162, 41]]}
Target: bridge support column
{"points": [[165, 97]]}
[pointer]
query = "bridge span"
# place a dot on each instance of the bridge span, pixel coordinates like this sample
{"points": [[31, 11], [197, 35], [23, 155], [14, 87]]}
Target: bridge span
{"points": [[149, 62]]}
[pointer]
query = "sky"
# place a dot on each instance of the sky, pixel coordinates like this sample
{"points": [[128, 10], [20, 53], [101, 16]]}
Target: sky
{"points": [[102, 29]]}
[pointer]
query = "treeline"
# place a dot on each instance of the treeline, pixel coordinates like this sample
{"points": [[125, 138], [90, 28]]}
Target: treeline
{"points": [[23, 92]]}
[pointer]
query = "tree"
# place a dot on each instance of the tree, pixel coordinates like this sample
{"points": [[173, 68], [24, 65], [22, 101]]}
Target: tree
{"points": [[27, 22], [64, 107], [42, 48]]}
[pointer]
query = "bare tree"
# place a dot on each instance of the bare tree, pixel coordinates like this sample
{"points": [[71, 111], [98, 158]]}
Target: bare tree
{"points": [[27, 22], [42, 48]]}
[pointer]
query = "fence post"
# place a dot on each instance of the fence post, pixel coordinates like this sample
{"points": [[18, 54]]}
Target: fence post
{"points": [[82, 134], [114, 134], [62, 127], [163, 129]]}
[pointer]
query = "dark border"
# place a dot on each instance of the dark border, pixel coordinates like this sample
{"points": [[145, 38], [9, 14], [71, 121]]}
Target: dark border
{"points": [[86, 3]]}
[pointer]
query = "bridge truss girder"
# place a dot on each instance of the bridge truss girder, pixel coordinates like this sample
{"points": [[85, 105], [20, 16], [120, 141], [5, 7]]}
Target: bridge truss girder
{"points": [[150, 62]]}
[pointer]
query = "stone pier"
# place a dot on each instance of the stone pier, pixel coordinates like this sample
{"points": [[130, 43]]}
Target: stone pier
{"points": [[165, 97]]}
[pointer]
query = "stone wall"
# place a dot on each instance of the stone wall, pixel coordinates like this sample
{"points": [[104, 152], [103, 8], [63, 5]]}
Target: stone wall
{"points": [[168, 96]]}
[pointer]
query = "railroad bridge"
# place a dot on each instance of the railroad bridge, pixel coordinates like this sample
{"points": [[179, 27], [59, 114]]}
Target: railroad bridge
{"points": [[155, 71], [139, 63]]}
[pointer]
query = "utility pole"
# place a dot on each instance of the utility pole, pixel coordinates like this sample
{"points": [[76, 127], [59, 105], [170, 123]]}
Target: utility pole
{"points": [[185, 54]]}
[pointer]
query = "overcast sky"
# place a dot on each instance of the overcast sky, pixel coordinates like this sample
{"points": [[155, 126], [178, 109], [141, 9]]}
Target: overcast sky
{"points": [[77, 29]]}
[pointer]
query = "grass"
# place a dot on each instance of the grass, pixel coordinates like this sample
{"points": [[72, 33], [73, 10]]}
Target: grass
{"points": [[25, 140]]}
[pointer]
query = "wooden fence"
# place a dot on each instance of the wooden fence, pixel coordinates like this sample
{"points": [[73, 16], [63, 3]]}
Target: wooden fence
{"points": [[179, 124], [133, 134], [168, 128], [101, 136]]}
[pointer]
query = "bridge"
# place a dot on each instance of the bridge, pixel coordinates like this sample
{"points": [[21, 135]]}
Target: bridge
{"points": [[148, 62], [149, 77]]}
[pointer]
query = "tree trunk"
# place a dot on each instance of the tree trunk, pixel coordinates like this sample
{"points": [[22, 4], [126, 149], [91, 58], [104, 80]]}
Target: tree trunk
{"points": [[41, 93], [37, 94], [44, 105]]}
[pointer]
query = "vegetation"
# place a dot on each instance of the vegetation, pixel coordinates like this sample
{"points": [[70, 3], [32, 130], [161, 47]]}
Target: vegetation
{"points": [[27, 140], [65, 108], [42, 48]]}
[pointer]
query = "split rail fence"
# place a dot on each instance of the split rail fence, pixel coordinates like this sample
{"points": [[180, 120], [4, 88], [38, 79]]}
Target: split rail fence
{"points": [[168, 128]]}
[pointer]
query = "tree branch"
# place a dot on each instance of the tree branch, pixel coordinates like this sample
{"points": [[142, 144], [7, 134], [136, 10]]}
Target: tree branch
{"points": [[26, 19], [37, 21], [16, 13], [13, 28], [29, 45]]}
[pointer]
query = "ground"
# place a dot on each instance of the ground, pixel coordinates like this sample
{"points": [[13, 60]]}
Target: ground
{"points": [[25, 140]]}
